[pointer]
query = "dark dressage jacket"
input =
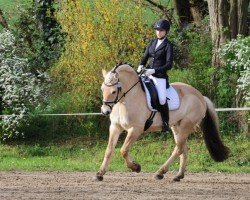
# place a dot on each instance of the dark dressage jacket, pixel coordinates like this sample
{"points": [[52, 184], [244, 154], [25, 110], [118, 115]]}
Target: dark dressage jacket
{"points": [[161, 59]]}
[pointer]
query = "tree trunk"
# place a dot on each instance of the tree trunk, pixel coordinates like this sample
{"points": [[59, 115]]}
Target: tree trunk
{"points": [[3, 21], [227, 20], [219, 24], [242, 10], [182, 9], [199, 10], [233, 18]]}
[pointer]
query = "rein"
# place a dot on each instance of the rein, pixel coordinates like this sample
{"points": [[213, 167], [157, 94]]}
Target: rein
{"points": [[117, 99], [124, 94]]}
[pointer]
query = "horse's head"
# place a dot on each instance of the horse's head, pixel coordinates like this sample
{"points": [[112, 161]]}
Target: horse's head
{"points": [[111, 88]]}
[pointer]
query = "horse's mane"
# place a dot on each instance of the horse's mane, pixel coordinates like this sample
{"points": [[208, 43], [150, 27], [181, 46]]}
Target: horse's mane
{"points": [[123, 67], [112, 77]]}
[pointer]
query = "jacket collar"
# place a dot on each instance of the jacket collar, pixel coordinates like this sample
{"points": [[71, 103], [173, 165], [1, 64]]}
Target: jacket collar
{"points": [[163, 44]]}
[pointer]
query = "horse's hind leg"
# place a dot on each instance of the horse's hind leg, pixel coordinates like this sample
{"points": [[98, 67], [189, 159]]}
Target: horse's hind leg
{"points": [[181, 133], [183, 163], [114, 133], [132, 136]]}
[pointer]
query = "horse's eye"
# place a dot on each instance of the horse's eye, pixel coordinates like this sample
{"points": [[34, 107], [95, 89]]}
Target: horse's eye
{"points": [[113, 92]]}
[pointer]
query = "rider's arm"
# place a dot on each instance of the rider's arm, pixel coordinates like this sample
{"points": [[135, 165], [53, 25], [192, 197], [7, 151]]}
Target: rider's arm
{"points": [[145, 57]]}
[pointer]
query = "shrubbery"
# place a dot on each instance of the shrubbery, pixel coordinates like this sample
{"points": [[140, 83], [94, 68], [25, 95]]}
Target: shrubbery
{"points": [[237, 65], [19, 89]]}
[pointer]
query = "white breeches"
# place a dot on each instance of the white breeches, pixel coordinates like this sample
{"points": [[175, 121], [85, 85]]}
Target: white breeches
{"points": [[160, 84]]}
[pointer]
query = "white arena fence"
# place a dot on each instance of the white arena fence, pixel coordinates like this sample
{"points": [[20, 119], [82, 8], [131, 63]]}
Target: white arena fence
{"points": [[89, 114], [233, 121]]}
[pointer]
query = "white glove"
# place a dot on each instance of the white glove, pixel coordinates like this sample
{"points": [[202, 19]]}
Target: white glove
{"points": [[149, 72], [139, 68]]}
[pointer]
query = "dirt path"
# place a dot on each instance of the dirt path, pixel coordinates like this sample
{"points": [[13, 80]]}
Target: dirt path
{"points": [[124, 185]]}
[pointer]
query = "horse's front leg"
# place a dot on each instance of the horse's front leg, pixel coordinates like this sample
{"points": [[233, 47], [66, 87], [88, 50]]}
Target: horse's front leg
{"points": [[114, 133], [132, 136]]}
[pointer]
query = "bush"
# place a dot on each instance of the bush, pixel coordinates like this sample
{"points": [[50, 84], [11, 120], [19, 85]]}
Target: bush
{"points": [[237, 65], [19, 89]]}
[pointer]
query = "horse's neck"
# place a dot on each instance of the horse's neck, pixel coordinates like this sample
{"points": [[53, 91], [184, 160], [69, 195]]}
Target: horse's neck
{"points": [[135, 95]]}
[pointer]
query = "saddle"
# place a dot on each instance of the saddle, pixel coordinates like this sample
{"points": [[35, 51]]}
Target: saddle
{"points": [[151, 93], [152, 97], [153, 101]]}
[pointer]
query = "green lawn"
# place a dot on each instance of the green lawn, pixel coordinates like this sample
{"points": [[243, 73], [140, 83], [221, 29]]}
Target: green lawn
{"points": [[151, 153]]}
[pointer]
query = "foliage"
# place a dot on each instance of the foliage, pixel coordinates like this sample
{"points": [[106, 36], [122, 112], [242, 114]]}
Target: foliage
{"points": [[192, 54], [236, 56], [225, 84], [10, 10], [39, 36], [99, 35], [19, 89]]}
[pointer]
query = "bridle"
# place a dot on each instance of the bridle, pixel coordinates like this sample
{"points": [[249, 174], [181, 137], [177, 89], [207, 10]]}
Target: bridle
{"points": [[110, 104]]}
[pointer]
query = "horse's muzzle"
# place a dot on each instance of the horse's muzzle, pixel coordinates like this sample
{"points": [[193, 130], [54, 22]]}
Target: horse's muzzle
{"points": [[105, 110], [105, 113]]}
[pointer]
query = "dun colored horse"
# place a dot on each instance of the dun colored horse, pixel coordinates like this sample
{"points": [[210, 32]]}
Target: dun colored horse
{"points": [[125, 101]]}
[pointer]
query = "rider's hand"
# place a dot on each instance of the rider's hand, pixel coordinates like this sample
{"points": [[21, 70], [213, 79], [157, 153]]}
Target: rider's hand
{"points": [[139, 68], [149, 72]]}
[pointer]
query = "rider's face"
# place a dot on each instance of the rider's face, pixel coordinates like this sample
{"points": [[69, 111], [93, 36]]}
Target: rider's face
{"points": [[160, 33]]}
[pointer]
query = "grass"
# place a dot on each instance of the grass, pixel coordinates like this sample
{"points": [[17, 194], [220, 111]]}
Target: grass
{"points": [[151, 153]]}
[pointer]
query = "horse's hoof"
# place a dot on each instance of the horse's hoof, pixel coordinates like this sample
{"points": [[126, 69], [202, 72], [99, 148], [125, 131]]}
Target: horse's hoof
{"points": [[98, 177], [136, 167], [159, 176], [178, 178]]}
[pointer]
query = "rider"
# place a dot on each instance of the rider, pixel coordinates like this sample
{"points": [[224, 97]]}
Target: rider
{"points": [[160, 52]]}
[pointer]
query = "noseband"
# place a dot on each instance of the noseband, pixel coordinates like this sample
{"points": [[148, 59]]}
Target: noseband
{"points": [[110, 104]]}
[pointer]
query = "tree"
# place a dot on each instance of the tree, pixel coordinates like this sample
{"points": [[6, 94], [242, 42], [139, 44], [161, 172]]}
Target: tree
{"points": [[227, 20], [187, 11], [39, 35], [100, 34]]}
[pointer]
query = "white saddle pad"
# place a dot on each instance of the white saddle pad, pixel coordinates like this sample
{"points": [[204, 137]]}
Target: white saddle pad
{"points": [[173, 102]]}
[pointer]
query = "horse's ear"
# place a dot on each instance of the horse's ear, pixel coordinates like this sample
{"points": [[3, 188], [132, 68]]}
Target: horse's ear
{"points": [[104, 73]]}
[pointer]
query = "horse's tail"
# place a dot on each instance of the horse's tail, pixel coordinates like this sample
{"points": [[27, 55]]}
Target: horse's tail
{"points": [[210, 128]]}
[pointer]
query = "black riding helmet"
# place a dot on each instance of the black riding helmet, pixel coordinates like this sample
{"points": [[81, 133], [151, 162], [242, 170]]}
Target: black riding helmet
{"points": [[162, 24]]}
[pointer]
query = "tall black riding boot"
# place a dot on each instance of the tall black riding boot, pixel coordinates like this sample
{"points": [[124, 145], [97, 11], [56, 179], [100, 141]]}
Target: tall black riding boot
{"points": [[165, 116]]}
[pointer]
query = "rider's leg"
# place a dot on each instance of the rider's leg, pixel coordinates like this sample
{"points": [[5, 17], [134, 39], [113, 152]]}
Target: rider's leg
{"points": [[160, 84]]}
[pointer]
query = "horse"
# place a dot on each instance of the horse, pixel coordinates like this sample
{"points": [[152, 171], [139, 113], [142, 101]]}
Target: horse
{"points": [[124, 100]]}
